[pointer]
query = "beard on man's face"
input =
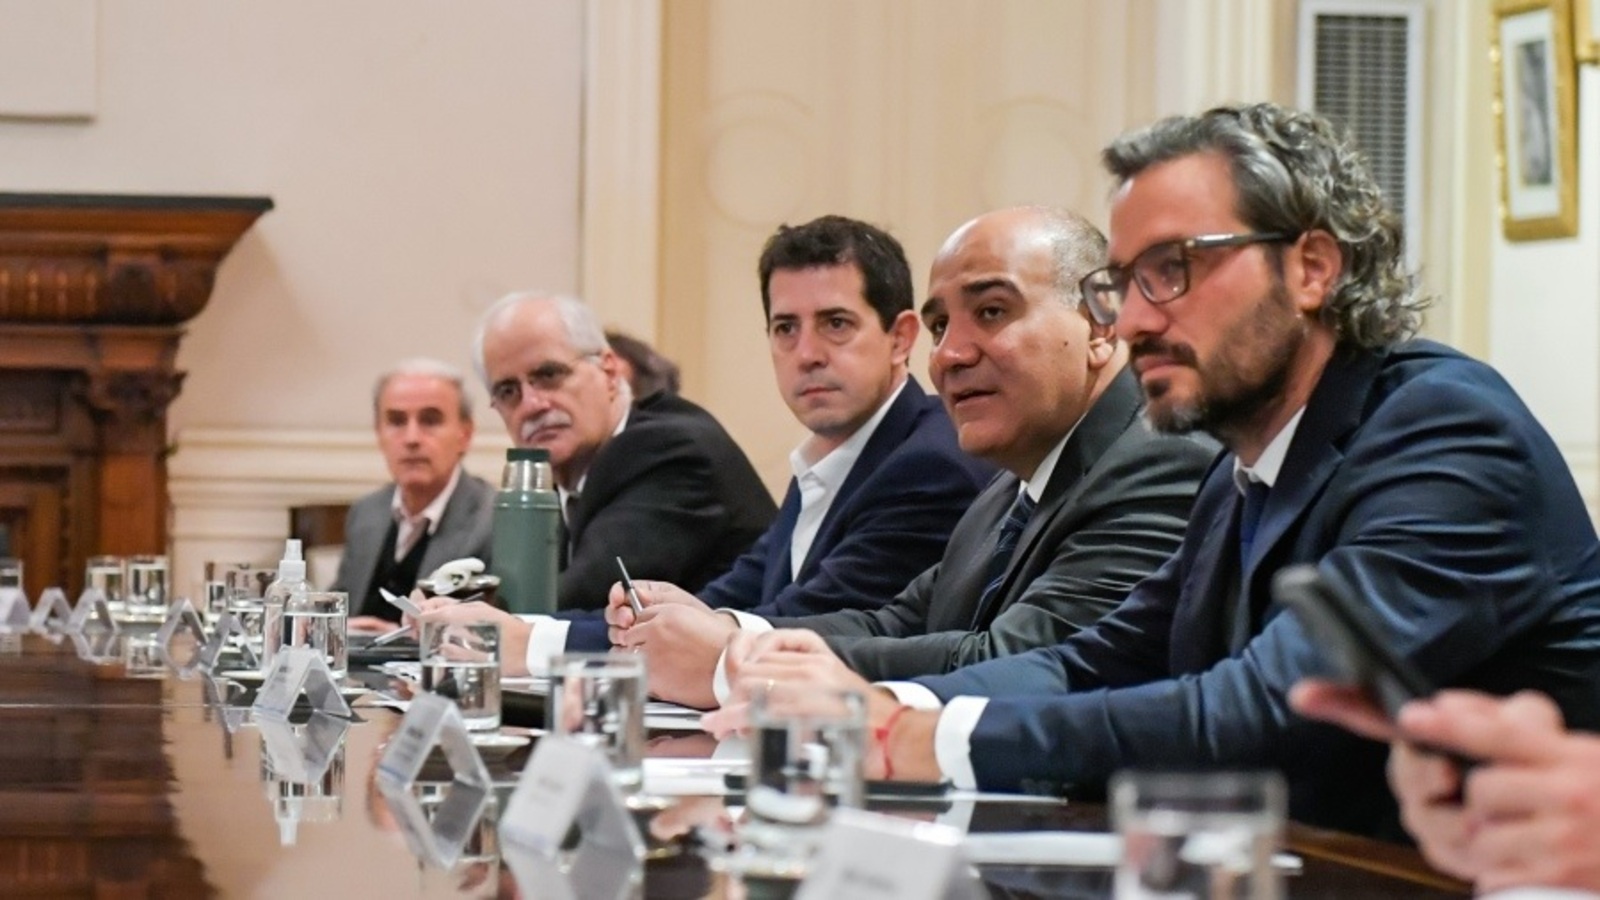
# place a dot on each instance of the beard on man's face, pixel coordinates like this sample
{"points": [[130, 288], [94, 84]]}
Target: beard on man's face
{"points": [[1248, 372]]}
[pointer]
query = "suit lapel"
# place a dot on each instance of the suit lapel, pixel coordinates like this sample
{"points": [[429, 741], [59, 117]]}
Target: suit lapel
{"points": [[897, 423], [1315, 454], [1100, 427], [779, 538], [961, 577]]}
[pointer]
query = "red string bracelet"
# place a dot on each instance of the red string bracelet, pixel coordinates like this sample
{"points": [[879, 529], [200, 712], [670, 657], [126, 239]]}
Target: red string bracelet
{"points": [[881, 735]]}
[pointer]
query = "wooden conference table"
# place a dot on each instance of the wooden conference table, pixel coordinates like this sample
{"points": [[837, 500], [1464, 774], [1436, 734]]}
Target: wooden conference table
{"points": [[119, 786]]}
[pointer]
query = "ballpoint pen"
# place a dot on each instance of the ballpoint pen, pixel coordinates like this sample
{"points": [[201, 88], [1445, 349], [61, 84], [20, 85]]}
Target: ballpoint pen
{"points": [[627, 588]]}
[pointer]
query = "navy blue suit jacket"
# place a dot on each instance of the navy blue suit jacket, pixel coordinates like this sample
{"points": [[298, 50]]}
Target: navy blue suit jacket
{"points": [[1416, 477], [889, 521]]}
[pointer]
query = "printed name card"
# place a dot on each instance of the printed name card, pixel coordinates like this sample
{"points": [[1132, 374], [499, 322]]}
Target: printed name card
{"points": [[52, 613], [92, 611], [867, 856], [297, 669], [14, 610], [565, 785], [434, 721], [431, 721]]}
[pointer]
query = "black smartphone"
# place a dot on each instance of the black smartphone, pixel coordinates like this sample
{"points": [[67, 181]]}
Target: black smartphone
{"points": [[1344, 631]]}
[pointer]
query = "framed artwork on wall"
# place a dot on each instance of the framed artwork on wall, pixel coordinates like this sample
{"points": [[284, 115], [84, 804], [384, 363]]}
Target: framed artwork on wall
{"points": [[1586, 30], [1536, 118]]}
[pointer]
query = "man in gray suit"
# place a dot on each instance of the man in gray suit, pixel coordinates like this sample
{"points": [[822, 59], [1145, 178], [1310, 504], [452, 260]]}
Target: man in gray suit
{"points": [[1091, 500], [434, 511]]}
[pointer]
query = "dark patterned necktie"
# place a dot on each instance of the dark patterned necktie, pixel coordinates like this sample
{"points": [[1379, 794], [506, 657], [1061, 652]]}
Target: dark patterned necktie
{"points": [[1004, 547], [1255, 498]]}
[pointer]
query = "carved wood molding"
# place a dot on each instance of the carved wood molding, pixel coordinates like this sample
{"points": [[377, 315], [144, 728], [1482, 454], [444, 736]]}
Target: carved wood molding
{"points": [[131, 407], [102, 258]]}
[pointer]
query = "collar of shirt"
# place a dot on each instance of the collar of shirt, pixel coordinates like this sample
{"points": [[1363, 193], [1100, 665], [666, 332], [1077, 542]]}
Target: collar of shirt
{"points": [[1271, 462], [434, 511], [1041, 476], [584, 478], [832, 469], [820, 482]]}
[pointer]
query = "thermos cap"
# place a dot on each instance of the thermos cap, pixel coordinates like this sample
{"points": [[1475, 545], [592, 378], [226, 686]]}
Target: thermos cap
{"points": [[529, 454]]}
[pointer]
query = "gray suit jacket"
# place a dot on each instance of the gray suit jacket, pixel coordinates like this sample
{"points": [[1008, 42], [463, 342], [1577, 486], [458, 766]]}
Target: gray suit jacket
{"points": [[1114, 510], [463, 531]]}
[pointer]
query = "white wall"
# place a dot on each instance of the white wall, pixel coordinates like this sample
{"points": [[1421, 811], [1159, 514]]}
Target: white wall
{"points": [[424, 158], [1544, 320]]}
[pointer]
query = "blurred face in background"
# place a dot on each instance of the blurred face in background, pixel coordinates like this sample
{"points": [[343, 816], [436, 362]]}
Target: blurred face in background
{"points": [[422, 435]]}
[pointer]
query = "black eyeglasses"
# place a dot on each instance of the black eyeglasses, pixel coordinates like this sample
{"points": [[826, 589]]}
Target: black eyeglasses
{"points": [[1161, 271], [546, 378]]}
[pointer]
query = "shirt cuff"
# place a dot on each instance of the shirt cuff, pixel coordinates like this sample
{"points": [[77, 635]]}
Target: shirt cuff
{"points": [[912, 694], [952, 740], [547, 641], [720, 688]]}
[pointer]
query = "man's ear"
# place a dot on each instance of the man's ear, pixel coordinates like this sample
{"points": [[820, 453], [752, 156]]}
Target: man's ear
{"points": [[1102, 345], [904, 331], [1311, 268]]}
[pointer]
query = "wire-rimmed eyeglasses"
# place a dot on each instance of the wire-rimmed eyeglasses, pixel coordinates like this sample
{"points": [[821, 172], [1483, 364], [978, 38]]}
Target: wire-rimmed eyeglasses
{"points": [[545, 378]]}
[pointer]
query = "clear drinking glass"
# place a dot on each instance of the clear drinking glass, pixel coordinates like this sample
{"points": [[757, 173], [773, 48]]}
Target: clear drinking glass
{"points": [[245, 586], [598, 699], [11, 572], [317, 619], [147, 588], [806, 751], [214, 590], [108, 574], [1198, 834], [462, 662]]}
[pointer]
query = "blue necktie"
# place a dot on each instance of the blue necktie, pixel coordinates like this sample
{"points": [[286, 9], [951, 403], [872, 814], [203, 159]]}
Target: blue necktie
{"points": [[1255, 497], [1004, 546]]}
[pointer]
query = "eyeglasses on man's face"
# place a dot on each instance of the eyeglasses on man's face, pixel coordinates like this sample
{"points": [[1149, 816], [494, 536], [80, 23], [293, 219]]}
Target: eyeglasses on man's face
{"points": [[1161, 271], [545, 378]]}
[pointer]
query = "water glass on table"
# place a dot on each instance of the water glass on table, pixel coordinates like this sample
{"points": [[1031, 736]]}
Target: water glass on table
{"points": [[316, 619], [598, 699], [108, 575], [11, 573], [806, 752], [1198, 834], [462, 661], [147, 588]]}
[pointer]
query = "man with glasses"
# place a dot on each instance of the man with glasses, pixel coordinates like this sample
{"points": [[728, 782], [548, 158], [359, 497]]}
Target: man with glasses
{"points": [[1260, 282], [660, 485]]}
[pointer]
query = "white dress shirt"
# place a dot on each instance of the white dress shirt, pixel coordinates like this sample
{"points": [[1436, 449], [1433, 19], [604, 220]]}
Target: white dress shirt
{"points": [[409, 528]]}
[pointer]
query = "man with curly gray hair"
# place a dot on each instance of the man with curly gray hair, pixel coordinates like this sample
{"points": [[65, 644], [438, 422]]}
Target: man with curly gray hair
{"points": [[1258, 279]]}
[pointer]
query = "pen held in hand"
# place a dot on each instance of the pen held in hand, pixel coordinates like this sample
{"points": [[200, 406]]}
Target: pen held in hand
{"points": [[628, 588]]}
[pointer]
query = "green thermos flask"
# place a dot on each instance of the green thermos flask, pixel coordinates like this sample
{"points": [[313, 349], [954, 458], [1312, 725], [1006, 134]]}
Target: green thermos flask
{"points": [[526, 546]]}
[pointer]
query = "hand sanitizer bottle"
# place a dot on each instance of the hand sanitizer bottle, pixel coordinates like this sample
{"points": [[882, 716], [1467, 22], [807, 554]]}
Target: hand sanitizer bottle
{"points": [[291, 580]]}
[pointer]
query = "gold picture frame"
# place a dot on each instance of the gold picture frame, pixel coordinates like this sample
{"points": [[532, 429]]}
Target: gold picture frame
{"points": [[1586, 30], [1536, 118]]}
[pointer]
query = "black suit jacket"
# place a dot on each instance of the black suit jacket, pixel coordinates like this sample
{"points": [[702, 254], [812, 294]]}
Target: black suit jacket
{"points": [[889, 521], [672, 495], [1417, 478], [1113, 510]]}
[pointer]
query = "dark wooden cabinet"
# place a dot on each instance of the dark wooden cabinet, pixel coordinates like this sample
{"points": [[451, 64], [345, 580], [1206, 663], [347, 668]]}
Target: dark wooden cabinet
{"points": [[93, 293]]}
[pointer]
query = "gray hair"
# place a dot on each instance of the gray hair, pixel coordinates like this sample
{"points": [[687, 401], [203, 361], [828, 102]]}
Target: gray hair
{"points": [[585, 335], [431, 368], [1295, 172], [1078, 246]]}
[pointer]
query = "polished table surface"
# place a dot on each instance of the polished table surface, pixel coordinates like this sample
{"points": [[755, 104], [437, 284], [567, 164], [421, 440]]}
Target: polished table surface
{"points": [[121, 786]]}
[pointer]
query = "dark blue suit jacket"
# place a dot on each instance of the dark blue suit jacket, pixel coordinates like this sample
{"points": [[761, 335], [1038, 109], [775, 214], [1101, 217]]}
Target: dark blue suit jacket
{"points": [[889, 521], [1418, 478]]}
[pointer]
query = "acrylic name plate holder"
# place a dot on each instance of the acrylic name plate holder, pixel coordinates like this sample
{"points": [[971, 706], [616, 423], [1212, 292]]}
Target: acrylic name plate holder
{"points": [[183, 617], [568, 785], [867, 856], [433, 721], [15, 612]]}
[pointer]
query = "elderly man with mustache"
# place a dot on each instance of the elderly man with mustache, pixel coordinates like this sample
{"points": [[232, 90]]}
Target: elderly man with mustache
{"points": [[660, 484]]}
